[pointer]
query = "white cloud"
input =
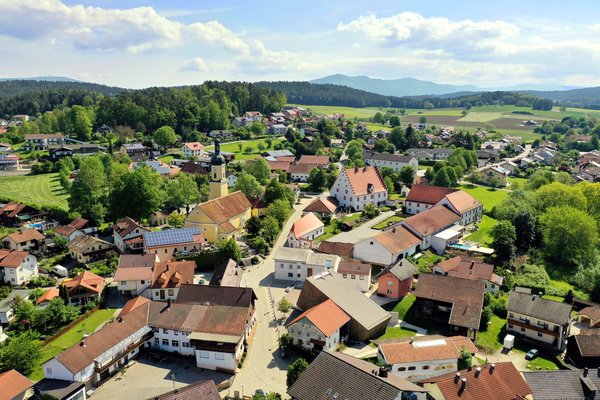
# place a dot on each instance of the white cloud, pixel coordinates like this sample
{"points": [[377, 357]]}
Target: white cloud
{"points": [[195, 64], [215, 33]]}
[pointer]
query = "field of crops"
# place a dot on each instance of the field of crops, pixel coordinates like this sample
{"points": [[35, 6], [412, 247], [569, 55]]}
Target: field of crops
{"points": [[37, 190]]}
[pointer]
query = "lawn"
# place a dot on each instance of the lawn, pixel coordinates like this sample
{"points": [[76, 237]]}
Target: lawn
{"points": [[396, 332], [385, 223], [482, 235], [487, 196], [5, 231], [36, 190], [333, 229], [402, 306], [70, 337], [349, 112], [234, 147], [541, 362], [520, 182], [489, 341], [427, 260]]}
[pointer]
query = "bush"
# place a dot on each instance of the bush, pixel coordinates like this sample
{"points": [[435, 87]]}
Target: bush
{"points": [[41, 281]]}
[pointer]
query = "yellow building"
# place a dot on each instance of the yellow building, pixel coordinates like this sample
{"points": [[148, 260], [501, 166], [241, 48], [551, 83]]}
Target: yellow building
{"points": [[218, 176]]}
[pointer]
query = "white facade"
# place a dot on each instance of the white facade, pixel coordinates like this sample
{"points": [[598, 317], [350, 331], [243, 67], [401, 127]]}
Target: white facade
{"points": [[305, 241], [162, 293], [395, 165], [187, 152], [537, 329], [215, 360], [231, 180], [443, 239], [343, 192], [468, 217], [413, 207], [361, 282], [371, 251], [119, 240], [419, 370], [22, 274], [304, 332], [133, 288], [299, 176], [297, 270], [170, 340]]}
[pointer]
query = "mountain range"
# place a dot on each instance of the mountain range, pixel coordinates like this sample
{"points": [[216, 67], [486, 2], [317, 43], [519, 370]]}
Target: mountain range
{"points": [[42, 79]]}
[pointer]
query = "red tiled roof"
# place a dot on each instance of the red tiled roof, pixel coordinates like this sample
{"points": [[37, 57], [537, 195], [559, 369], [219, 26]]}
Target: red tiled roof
{"points": [[428, 348], [337, 248], [48, 295], [126, 225], [194, 145], [462, 201], [301, 168], [12, 384], [360, 179], [13, 259], [67, 230], [133, 304], [224, 208], [86, 279], [258, 203], [172, 274], [354, 267], [204, 390], [428, 194], [397, 239], [470, 268], [322, 205], [279, 165], [431, 221], [314, 160], [306, 224], [25, 235], [227, 227], [327, 317]]}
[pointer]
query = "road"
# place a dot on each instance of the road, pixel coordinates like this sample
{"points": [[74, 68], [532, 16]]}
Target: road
{"points": [[524, 153], [263, 367]]}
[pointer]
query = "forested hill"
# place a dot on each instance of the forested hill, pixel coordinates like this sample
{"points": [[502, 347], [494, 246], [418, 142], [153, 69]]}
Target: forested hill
{"points": [[9, 88]]}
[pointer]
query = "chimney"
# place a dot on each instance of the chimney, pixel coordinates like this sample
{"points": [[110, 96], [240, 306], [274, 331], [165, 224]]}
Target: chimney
{"points": [[477, 372], [394, 230], [472, 265], [492, 368], [585, 372], [463, 384], [383, 372], [365, 169], [168, 303], [355, 169], [533, 297], [82, 343], [457, 377], [120, 320]]}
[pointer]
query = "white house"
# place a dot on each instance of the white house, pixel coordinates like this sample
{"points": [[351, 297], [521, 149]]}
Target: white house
{"points": [[394, 161], [296, 265], [424, 357], [17, 267], [470, 268], [278, 129], [358, 274], [387, 247], [423, 197], [356, 187], [322, 327], [135, 273], [465, 205], [127, 235], [7, 305], [305, 231], [300, 172], [429, 223], [192, 149], [231, 180], [77, 227]]}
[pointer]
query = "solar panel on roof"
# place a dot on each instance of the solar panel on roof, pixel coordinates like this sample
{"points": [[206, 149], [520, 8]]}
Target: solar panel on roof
{"points": [[171, 236]]}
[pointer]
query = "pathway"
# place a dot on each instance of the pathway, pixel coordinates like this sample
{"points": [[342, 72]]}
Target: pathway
{"points": [[363, 231]]}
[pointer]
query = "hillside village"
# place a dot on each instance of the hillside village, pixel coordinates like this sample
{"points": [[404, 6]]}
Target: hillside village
{"points": [[303, 256]]}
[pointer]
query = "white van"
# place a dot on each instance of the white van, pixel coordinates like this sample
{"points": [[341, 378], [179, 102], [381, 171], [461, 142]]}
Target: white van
{"points": [[60, 271]]}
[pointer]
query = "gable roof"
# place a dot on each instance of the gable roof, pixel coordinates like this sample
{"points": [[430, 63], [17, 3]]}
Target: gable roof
{"points": [[470, 268], [172, 274], [562, 384], [399, 158], [428, 194], [216, 295], [592, 312], [500, 382], [403, 269], [173, 236], [462, 201], [396, 240], [135, 267], [87, 280], [48, 295], [224, 208], [12, 384], [314, 160], [25, 236], [227, 274], [194, 145], [354, 267], [431, 221], [361, 179], [588, 345], [322, 205], [327, 317], [306, 224], [194, 167], [348, 377], [538, 307], [425, 348], [13, 259], [67, 230], [337, 248], [279, 165], [202, 390], [301, 168], [465, 295], [83, 244], [126, 225]]}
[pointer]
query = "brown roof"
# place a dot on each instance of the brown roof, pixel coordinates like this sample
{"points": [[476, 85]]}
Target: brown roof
{"points": [[133, 304], [126, 225], [224, 208], [327, 317], [397, 239], [337, 248], [258, 203], [83, 244], [203, 390], [134, 271], [470, 268], [425, 348], [502, 382], [291, 159], [35, 136], [354, 267], [306, 224], [592, 312], [314, 160], [588, 345], [194, 145], [228, 273], [193, 167], [173, 274], [12, 384], [301, 168], [465, 295], [462, 201], [227, 227], [25, 235], [428, 194], [216, 295], [86, 279], [279, 165], [361, 179], [322, 205], [48, 295], [431, 221], [67, 230], [13, 259]]}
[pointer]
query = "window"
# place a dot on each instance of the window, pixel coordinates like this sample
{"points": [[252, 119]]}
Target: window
{"points": [[166, 331], [156, 330], [165, 251], [425, 367], [156, 341], [412, 368], [185, 344], [290, 274], [203, 354], [540, 334], [171, 292], [49, 370], [522, 329], [176, 333], [142, 282], [400, 369], [165, 342], [390, 283], [157, 293], [298, 275], [353, 276], [175, 343], [389, 291], [345, 275], [219, 356], [362, 277]]}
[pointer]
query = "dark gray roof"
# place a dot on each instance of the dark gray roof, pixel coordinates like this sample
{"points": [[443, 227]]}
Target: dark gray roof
{"points": [[216, 295], [403, 269], [537, 307], [563, 385], [8, 302], [348, 377], [372, 155], [58, 389]]}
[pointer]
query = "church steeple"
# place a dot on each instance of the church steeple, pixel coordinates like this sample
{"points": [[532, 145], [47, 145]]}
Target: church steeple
{"points": [[218, 178]]}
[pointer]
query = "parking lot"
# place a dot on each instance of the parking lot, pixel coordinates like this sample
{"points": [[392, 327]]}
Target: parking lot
{"points": [[146, 379]]}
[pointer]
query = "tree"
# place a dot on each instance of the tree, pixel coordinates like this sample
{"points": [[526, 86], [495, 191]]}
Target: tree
{"points": [[248, 185], [280, 210], [486, 316], [285, 341], [258, 128], [370, 211], [284, 305], [394, 121], [22, 353], [317, 180], [558, 194], [295, 371], [82, 126], [389, 184], [165, 136], [504, 237], [89, 188], [464, 361], [267, 396], [429, 175], [526, 229], [63, 293], [229, 249], [176, 220], [276, 190], [398, 138], [260, 170], [181, 191], [407, 175], [441, 178], [137, 194], [381, 145], [252, 226]]}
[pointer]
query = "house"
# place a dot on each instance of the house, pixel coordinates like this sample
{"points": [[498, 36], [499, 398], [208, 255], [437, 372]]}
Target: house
{"points": [[277, 129], [77, 227], [133, 150], [589, 315], [228, 273], [17, 267], [334, 375], [465, 205], [501, 381], [575, 384], [41, 141], [127, 235], [470, 268], [47, 297], [296, 264], [15, 214], [88, 248], [393, 161], [323, 206], [583, 350], [437, 154], [192, 149], [484, 157], [201, 390], [135, 273], [166, 244], [57, 152], [423, 357], [357, 273], [60, 390], [23, 240], [322, 327], [338, 143], [258, 207], [300, 172], [338, 248], [388, 247], [396, 281], [356, 187], [231, 180], [221, 218], [305, 230], [13, 385], [494, 175], [9, 162], [253, 115], [509, 166], [430, 223], [279, 165], [7, 304], [163, 169], [544, 321], [367, 319], [455, 301], [84, 288], [424, 197], [319, 161], [167, 278], [195, 167], [159, 218]]}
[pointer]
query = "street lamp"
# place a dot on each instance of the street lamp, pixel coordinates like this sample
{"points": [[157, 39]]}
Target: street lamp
{"points": [[173, 380]]}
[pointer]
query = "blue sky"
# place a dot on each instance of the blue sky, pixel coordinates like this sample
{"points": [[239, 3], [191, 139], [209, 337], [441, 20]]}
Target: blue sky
{"points": [[140, 43]]}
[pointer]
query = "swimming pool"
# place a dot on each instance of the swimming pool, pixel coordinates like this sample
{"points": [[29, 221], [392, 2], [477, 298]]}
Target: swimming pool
{"points": [[461, 246]]}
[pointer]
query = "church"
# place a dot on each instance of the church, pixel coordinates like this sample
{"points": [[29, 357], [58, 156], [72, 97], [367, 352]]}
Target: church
{"points": [[224, 215]]}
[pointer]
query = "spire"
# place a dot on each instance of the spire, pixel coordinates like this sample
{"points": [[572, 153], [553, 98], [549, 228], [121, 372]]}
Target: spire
{"points": [[217, 158]]}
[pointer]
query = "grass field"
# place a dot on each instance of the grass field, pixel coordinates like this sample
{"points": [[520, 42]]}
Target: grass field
{"points": [[39, 190], [242, 155], [490, 340], [427, 260], [385, 223], [401, 307], [486, 196], [70, 337], [396, 332], [482, 235]]}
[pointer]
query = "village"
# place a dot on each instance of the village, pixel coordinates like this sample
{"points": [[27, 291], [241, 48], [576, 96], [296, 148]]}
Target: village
{"points": [[333, 267]]}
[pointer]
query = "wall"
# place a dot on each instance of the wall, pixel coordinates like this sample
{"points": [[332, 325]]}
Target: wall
{"points": [[530, 330], [424, 369], [53, 369], [182, 346], [303, 331], [133, 287], [215, 360], [361, 282], [370, 250], [299, 270]]}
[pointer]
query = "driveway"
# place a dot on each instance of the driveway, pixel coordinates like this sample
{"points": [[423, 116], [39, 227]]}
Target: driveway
{"points": [[363, 231]]}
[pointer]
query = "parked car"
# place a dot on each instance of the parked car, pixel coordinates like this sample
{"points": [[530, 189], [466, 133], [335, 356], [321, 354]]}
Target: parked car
{"points": [[531, 354]]}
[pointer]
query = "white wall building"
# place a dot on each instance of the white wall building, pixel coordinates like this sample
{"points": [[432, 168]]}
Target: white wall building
{"points": [[17, 267], [192, 149], [356, 187], [292, 264], [305, 231], [394, 161]]}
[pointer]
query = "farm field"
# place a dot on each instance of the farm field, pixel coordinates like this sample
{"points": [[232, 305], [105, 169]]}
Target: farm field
{"points": [[233, 147], [39, 190], [486, 196]]}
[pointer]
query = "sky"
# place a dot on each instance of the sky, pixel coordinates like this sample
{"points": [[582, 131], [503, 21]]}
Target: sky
{"points": [[142, 43]]}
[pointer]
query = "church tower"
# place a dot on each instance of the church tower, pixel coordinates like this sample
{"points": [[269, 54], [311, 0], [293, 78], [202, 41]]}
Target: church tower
{"points": [[218, 179]]}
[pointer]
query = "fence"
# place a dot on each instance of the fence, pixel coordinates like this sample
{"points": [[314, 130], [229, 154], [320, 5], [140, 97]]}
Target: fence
{"points": [[72, 324]]}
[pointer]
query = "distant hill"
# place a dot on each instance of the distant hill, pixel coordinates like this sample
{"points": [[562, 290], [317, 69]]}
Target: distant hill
{"points": [[587, 97], [15, 87], [42, 79]]}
